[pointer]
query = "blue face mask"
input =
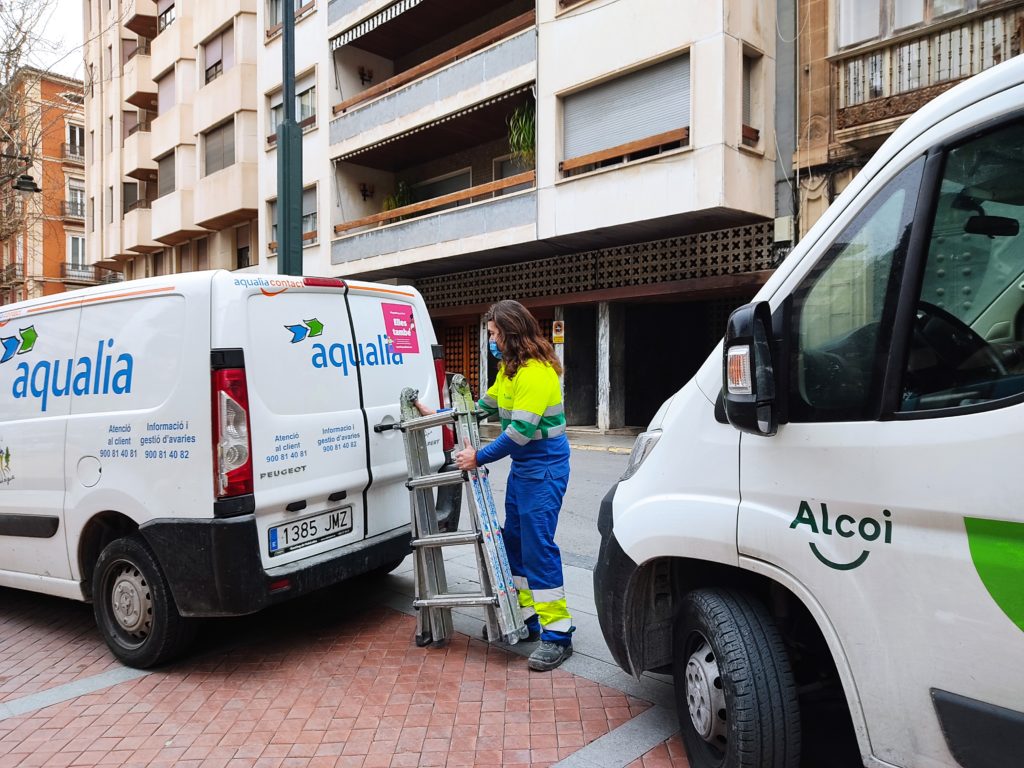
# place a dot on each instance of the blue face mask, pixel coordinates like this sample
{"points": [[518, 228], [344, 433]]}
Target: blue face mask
{"points": [[495, 352]]}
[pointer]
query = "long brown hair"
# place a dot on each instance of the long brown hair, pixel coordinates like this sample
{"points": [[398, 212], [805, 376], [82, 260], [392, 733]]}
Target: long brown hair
{"points": [[522, 339]]}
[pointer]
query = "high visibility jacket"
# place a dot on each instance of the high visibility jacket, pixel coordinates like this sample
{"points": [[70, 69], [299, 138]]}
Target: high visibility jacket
{"points": [[532, 415]]}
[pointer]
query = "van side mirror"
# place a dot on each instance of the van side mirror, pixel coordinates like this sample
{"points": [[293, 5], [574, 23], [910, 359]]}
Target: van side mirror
{"points": [[748, 375]]}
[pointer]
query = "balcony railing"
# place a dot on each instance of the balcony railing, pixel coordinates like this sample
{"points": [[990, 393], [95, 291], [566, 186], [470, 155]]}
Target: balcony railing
{"points": [[899, 76], [88, 273], [481, 190], [74, 153], [491, 36], [143, 127], [136, 205], [72, 209], [13, 274], [141, 49]]}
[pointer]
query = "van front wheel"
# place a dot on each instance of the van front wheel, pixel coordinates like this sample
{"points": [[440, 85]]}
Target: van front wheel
{"points": [[134, 608], [735, 692]]}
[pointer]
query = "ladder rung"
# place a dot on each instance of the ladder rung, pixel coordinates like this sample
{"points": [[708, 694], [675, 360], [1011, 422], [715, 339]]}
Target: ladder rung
{"points": [[426, 422], [433, 481], [447, 539], [455, 600]]}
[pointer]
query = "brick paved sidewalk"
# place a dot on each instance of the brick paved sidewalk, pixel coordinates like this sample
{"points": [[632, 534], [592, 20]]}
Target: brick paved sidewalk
{"points": [[356, 692]]}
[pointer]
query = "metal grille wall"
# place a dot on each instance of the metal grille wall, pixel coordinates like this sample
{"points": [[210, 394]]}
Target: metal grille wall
{"points": [[708, 254], [462, 352]]}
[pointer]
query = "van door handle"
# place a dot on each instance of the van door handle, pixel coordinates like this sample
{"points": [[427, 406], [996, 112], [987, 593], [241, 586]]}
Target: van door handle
{"points": [[384, 426]]}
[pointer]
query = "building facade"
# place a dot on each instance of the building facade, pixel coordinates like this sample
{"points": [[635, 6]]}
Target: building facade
{"points": [[866, 65], [172, 146], [43, 249], [632, 187]]}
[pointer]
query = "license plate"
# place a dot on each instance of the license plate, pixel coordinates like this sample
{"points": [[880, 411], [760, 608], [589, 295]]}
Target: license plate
{"points": [[309, 530]]}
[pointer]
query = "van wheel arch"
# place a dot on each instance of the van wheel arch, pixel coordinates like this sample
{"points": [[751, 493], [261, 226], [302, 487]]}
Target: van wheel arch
{"points": [[656, 599], [102, 528]]}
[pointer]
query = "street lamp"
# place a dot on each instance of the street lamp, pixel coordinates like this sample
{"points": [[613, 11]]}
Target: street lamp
{"points": [[26, 186]]}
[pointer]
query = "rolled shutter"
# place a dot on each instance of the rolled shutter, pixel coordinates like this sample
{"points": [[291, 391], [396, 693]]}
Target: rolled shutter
{"points": [[632, 107]]}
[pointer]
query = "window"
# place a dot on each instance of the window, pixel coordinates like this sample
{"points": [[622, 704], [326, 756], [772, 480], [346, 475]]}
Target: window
{"points": [[110, 62], [165, 95], [92, 144], [967, 341], [165, 175], [859, 20], [129, 195], [165, 15], [219, 54], [202, 254], [309, 227], [863, 20], [76, 251], [110, 204], [643, 105], [76, 197], [838, 352], [751, 107], [305, 104], [92, 214], [453, 182], [219, 148], [110, 133], [272, 218], [506, 167], [243, 235], [275, 8], [76, 139]]}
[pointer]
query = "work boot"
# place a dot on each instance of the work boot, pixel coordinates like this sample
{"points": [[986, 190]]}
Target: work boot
{"points": [[549, 655]]}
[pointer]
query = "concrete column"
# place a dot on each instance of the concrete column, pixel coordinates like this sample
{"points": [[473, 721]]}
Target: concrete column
{"points": [[611, 378], [485, 355]]}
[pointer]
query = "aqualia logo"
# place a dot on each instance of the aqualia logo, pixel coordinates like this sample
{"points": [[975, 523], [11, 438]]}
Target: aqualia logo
{"points": [[345, 355], [100, 375]]}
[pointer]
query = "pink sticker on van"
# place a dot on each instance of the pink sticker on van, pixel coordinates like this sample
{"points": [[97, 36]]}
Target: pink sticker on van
{"points": [[400, 327]]}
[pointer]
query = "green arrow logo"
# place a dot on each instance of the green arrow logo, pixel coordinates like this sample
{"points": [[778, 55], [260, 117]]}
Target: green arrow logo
{"points": [[315, 327], [28, 339]]}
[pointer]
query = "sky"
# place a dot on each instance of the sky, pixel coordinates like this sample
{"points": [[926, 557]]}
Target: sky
{"points": [[63, 27]]}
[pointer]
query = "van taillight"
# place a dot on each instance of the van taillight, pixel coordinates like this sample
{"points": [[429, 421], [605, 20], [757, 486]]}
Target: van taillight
{"points": [[232, 459], [447, 433]]}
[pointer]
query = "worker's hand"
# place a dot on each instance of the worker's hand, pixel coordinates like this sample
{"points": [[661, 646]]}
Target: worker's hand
{"points": [[466, 458], [425, 410]]}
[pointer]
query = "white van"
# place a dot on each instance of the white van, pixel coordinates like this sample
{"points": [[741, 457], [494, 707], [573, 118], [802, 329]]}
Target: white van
{"points": [[203, 445], [829, 517]]}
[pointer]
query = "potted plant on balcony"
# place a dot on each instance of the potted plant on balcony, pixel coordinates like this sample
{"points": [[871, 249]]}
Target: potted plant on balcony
{"points": [[522, 134], [402, 196]]}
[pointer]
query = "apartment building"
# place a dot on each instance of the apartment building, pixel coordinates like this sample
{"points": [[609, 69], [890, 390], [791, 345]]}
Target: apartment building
{"points": [[172, 147], [620, 166], [42, 237], [867, 65]]}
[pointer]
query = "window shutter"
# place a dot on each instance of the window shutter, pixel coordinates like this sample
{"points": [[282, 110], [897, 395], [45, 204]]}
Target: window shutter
{"points": [[165, 175], [748, 74], [638, 105], [308, 201], [214, 51], [165, 93], [163, 5]]}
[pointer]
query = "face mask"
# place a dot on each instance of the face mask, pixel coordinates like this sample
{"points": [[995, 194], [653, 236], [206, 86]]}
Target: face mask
{"points": [[495, 352]]}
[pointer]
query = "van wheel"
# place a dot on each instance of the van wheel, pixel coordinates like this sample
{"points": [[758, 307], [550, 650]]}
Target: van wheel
{"points": [[735, 693], [134, 608]]}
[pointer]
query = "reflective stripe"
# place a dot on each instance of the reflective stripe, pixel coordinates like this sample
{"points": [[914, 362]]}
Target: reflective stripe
{"points": [[505, 414], [489, 401], [527, 611], [554, 410], [521, 583], [548, 595], [561, 625], [517, 437], [556, 430], [528, 416]]}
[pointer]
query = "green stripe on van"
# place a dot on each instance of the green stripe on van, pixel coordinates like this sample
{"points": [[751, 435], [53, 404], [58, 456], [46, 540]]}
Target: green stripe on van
{"points": [[997, 549]]}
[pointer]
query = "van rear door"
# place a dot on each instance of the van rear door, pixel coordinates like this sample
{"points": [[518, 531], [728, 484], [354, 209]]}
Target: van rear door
{"points": [[305, 422], [395, 345]]}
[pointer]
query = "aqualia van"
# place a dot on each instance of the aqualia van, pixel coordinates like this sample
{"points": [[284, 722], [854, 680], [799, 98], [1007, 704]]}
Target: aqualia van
{"points": [[821, 535], [203, 445]]}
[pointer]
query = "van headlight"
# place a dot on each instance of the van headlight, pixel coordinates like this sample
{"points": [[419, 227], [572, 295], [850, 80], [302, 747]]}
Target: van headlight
{"points": [[642, 448]]}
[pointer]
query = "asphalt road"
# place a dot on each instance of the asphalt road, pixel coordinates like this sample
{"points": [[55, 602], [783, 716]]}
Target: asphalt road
{"points": [[593, 473]]}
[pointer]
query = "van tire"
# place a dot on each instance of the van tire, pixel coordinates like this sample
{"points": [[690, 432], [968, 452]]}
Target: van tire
{"points": [[732, 672], [150, 630]]}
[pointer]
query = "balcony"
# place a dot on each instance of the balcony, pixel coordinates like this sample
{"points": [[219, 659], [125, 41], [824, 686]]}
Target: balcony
{"points": [[72, 209], [140, 18], [229, 196], [481, 221], [880, 85], [73, 154], [138, 87], [172, 44], [173, 219], [209, 17], [488, 64], [171, 129], [232, 92], [137, 228], [137, 156], [13, 274], [88, 274]]}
